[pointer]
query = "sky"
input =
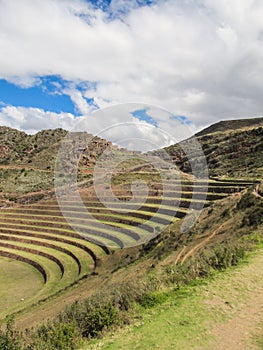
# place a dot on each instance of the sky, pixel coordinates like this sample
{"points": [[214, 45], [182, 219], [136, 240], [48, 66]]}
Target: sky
{"points": [[167, 67]]}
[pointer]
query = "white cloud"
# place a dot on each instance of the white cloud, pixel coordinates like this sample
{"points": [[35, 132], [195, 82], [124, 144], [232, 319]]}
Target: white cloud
{"points": [[201, 59], [115, 123], [79, 101], [32, 120]]}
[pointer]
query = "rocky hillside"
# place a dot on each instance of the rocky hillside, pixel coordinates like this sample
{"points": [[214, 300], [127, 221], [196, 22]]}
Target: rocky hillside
{"points": [[231, 148], [39, 151], [27, 161]]}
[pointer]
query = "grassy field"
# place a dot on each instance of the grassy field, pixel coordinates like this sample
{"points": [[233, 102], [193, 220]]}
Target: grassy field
{"points": [[17, 281], [222, 312]]}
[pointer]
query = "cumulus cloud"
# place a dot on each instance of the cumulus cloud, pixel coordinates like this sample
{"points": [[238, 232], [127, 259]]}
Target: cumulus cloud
{"points": [[79, 101], [200, 59], [32, 120], [116, 123]]}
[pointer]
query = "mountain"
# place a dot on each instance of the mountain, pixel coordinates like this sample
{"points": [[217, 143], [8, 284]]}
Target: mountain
{"points": [[39, 151], [232, 149], [226, 125], [27, 162]]}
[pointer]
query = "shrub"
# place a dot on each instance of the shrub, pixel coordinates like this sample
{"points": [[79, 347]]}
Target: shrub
{"points": [[153, 298], [248, 200], [9, 339], [59, 336], [225, 213], [254, 218], [253, 210], [99, 318], [177, 274], [221, 257]]}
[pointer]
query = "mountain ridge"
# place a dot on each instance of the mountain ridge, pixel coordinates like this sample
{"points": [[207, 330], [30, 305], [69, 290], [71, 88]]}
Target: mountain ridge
{"points": [[231, 148], [234, 124]]}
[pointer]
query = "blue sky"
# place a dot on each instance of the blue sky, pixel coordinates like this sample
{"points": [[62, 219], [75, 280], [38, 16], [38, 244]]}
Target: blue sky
{"points": [[48, 93], [44, 96], [197, 61], [142, 114]]}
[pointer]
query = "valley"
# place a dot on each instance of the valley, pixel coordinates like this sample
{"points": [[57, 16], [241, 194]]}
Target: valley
{"points": [[58, 249]]}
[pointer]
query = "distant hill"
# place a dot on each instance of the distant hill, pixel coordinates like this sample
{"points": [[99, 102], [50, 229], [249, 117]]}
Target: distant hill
{"points": [[232, 149], [27, 161], [226, 125], [39, 151]]}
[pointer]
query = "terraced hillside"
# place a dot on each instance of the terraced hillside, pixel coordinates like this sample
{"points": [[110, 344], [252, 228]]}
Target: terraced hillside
{"points": [[50, 244], [232, 149], [64, 242]]}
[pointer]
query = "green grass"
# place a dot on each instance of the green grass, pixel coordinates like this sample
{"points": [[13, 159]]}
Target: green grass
{"points": [[51, 287], [56, 213], [70, 266], [88, 221], [55, 236], [55, 280], [193, 316], [104, 240], [111, 206], [84, 258], [111, 225], [174, 324], [33, 223], [51, 238], [17, 280]]}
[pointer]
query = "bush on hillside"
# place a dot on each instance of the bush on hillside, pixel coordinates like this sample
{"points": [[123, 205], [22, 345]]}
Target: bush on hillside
{"points": [[221, 257], [59, 336], [248, 200], [9, 338], [100, 318], [253, 207], [254, 218]]}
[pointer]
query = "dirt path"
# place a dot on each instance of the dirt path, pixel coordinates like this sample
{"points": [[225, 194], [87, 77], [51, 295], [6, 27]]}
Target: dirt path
{"points": [[199, 245], [241, 302], [256, 192], [20, 167]]}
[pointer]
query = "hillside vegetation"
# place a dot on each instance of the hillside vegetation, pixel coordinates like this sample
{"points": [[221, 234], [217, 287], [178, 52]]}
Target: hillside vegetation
{"points": [[37, 151], [154, 273], [110, 251], [27, 162], [232, 149], [205, 315], [230, 125]]}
